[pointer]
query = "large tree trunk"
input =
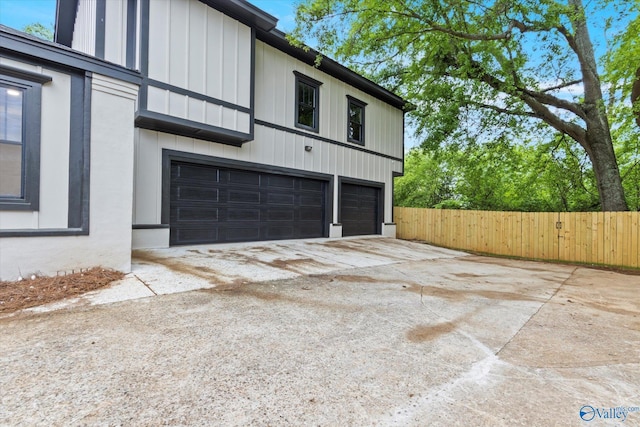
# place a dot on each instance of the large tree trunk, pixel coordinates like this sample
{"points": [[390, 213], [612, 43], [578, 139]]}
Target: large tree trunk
{"points": [[605, 168], [597, 138]]}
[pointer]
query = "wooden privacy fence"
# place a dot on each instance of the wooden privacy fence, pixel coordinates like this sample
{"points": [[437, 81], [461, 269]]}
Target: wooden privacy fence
{"points": [[605, 238]]}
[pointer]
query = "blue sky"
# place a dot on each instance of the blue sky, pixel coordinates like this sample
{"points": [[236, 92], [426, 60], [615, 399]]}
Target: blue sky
{"points": [[18, 13]]}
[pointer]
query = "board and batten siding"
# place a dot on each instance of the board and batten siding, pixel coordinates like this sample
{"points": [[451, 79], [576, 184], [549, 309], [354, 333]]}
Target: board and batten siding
{"points": [[54, 154], [275, 102], [115, 43], [195, 47], [271, 147], [84, 30]]}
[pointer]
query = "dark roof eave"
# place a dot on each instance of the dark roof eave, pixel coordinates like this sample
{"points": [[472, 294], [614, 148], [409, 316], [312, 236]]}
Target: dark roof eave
{"points": [[18, 43], [277, 39], [244, 12]]}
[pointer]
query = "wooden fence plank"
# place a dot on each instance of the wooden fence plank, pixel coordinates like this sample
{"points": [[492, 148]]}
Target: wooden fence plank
{"points": [[609, 238]]}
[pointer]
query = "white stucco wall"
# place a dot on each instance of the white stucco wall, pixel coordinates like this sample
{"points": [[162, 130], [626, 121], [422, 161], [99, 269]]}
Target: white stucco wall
{"points": [[111, 186]]}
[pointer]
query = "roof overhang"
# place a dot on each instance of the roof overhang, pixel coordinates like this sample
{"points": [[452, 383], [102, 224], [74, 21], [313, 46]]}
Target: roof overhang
{"points": [[244, 12]]}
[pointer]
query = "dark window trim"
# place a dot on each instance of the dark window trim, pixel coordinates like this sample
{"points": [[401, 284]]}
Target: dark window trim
{"points": [[315, 84], [362, 105], [327, 140], [169, 156], [364, 183], [79, 165], [31, 85]]}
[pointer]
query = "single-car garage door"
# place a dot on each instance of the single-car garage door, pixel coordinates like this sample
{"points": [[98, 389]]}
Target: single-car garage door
{"points": [[360, 211], [211, 204]]}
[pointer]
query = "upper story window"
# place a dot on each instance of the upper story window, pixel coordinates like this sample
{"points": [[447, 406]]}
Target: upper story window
{"points": [[355, 120], [307, 102], [20, 138]]}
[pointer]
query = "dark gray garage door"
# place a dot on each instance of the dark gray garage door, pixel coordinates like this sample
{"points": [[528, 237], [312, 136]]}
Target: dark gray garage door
{"points": [[360, 210], [213, 205]]}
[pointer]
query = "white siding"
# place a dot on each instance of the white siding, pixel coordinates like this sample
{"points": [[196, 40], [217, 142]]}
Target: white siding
{"points": [[275, 103], [195, 47], [109, 241], [270, 147], [177, 105], [115, 44], [84, 30]]}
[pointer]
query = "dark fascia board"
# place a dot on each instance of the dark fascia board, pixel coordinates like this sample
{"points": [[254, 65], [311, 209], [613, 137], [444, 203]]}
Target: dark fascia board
{"points": [[17, 43], [164, 123], [244, 12], [277, 39], [65, 21]]}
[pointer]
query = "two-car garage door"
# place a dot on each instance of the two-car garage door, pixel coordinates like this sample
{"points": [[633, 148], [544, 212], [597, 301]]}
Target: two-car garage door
{"points": [[212, 204]]}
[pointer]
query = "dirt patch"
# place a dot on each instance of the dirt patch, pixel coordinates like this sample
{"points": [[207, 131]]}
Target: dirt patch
{"points": [[179, 266], [462, 294], [467, 275], [351, 278], [41, 290], [422, 333]]}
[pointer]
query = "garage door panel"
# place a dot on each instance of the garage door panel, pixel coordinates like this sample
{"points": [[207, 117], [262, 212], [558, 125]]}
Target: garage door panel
{"points": [[234, 214], [237, 196], [196, 235], [276, 181], [310, 214], [192, 193], [243, 178], [280, 199], [280, 215], [359, 209], [311, 185], [310, 200], [280, 232], [196, 173], [241, 234], [196, 213], [211, 205]]}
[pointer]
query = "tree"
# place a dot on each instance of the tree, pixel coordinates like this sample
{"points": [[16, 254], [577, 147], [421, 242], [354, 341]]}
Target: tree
{"points": [[479, 70], [39, 30], [623, 79]]}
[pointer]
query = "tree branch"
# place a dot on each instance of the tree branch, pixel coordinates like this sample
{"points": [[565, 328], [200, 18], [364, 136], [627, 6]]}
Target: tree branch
{"points": [[504, 110], [561, 86]]}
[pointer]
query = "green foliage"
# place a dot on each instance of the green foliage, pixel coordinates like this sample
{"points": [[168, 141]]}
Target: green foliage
{"points": [[39, 30], [499, 176], [507, 85], [620, 64]]}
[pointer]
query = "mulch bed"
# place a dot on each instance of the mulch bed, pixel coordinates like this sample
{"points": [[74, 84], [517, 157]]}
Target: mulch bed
{"points": [[30, 292]]}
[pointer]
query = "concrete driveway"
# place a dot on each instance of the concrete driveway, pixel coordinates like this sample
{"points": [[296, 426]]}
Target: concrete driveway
{"points": [[368, 331]]}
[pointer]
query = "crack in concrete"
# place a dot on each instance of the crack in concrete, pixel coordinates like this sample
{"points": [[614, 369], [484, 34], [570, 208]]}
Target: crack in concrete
{"points": [[145, 283], [537, 311]]}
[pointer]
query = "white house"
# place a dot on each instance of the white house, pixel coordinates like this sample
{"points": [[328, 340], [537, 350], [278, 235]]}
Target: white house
{"points": [[152, 123]]}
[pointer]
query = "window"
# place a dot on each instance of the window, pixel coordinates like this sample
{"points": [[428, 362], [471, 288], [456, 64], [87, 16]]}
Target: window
{"points": [[355, 121], [20, 138], [307, 102]]}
